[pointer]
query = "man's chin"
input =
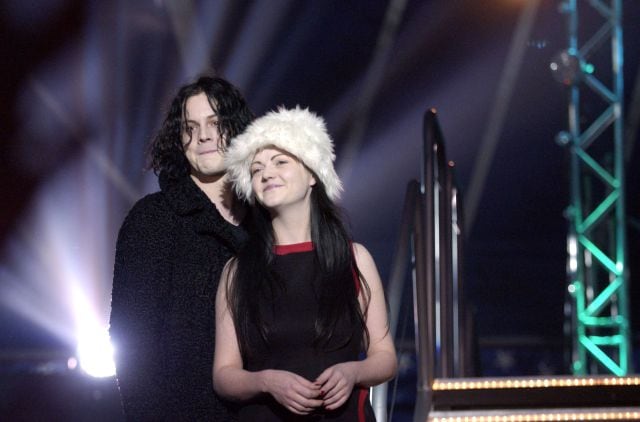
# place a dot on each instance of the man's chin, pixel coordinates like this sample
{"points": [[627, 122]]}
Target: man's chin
{"points": [[209, 176]]}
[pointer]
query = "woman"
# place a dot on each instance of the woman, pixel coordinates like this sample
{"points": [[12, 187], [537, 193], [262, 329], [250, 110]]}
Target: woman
{"points": [[301, 323]]}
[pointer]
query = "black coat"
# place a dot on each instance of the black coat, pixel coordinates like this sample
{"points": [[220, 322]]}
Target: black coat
{"points": [[171, 250]]}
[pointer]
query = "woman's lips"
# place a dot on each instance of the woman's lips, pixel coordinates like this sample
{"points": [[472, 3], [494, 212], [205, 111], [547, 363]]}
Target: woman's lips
{"points": [[270, 187]]}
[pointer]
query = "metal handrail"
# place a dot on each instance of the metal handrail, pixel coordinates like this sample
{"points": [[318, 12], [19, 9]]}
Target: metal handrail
{"points": [[395, 286], [431, 231]]}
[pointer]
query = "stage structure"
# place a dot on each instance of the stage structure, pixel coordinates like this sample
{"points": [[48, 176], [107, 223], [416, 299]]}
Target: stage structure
{"points": [[598, 320], [431, 241]]}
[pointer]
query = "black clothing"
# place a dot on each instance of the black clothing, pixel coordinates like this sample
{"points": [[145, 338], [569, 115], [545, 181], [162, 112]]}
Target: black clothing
{"points": [[290, 311], [171, 250]]}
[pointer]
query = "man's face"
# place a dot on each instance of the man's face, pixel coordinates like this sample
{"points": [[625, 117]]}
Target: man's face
{"points": [[201, 139]]}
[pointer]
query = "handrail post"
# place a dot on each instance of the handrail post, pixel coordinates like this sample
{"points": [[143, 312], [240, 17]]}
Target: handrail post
{"points": [[394, 288], [444, 262], [424, 280], [431, 224]]}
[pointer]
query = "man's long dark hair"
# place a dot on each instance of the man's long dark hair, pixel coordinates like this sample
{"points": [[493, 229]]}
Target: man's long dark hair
{"points": [[166, 153], [253, 276]]}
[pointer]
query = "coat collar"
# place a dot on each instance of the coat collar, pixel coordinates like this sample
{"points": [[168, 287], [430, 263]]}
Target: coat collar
{"points": [[192, 204]]}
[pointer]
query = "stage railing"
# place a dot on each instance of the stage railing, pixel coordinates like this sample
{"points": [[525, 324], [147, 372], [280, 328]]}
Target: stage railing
{"points": [[431, 240]]}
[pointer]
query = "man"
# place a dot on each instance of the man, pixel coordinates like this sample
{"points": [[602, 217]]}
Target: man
{"points": [[170, 252]]}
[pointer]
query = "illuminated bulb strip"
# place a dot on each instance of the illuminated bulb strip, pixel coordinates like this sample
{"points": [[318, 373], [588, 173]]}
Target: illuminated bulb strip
{"points": [[439, 385], [587, 416]]}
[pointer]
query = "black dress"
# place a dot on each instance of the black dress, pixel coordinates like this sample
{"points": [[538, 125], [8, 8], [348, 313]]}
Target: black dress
{"points": [[290, 313]]}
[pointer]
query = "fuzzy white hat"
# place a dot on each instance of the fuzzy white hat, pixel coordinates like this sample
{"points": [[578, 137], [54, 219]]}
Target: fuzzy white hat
{"points": [[297, 131]]}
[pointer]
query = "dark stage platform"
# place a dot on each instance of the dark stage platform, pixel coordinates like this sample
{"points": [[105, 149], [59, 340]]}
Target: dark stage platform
{"points": [[564, 398]]}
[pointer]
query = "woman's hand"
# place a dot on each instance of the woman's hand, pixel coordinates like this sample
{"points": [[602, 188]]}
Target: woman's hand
{"points": [[295, 393], [336, 383]]}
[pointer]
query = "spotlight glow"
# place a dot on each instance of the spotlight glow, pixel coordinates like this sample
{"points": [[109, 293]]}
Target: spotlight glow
{"points": [[57, 271], [57, 268], [95, 353], [94, 350]]}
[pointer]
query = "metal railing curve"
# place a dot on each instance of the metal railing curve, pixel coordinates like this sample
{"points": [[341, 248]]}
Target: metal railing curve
{"points": [[430, 244]]}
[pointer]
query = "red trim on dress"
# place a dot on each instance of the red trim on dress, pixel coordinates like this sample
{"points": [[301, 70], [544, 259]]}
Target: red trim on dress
{"points": [[362, 396], [356, 279], [293, 248]]}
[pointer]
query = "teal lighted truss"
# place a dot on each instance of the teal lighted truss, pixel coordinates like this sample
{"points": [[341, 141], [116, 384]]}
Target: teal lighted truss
{"points": [[596, 244]]}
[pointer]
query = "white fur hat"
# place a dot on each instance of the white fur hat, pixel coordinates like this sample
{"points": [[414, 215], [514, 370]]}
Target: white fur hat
{"points": [[297, 131]]}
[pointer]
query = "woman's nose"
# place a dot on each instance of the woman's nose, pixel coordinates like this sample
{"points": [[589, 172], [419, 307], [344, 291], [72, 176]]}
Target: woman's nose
{"points": [[267, 173]]}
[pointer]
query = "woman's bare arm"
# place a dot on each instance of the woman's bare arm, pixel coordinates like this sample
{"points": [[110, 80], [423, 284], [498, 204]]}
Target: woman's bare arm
{"points": [[380, 364]]}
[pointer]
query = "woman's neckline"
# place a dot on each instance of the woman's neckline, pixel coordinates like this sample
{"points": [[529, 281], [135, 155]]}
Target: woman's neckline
{"points": [[293, 248]]}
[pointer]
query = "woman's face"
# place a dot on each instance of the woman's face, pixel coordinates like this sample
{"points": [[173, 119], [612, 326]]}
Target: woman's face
{"points": [[279, 179]]}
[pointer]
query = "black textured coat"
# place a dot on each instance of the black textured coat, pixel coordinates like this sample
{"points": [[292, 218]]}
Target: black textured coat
{"points": [[171, 250]]}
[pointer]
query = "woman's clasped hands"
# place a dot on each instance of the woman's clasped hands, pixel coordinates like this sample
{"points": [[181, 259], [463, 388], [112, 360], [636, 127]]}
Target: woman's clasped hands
{"points": [[330, 390]]}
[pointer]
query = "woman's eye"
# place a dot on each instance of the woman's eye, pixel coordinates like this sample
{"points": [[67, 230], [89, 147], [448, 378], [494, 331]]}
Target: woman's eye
{"points": [[254, 171], [280, 162]]}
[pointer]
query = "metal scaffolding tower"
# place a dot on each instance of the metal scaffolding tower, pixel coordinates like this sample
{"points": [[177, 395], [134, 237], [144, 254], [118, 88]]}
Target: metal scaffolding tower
{"points": [[596, 244]]}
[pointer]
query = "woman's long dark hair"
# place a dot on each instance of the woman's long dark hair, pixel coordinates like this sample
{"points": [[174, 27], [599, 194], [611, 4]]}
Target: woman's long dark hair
{"points": [[253, 276], [166, 153]]}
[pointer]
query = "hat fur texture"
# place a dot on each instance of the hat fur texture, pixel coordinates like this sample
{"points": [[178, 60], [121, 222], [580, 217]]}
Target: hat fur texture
{"points": [[297, 131]]}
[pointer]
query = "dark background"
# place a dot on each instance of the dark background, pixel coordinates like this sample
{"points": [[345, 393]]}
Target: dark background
{"points": [[85, 84]]}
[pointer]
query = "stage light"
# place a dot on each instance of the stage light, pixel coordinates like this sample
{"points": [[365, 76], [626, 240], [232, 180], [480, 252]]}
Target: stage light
{"points": [[563, 138], [60, 279], [566, 67], [72, 363], [95, 353], [94, 349]]}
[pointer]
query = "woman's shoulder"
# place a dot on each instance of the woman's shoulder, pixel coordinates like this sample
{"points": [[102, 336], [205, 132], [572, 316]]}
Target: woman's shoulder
{"points": [[231, 265], [360, 251], [365, 263], [229, 270]]}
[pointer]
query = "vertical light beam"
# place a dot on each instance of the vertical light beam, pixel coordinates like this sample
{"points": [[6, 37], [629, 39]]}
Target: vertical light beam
{"points": [[499, 112]]}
